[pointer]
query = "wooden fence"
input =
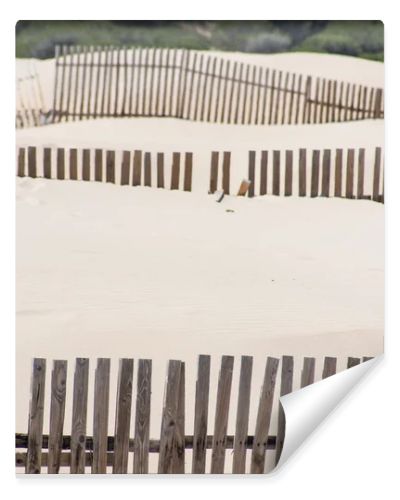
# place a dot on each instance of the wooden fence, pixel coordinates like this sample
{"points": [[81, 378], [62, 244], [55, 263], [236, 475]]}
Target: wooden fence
{"points": [[136, 167], [330, 173], [93, 82], [101, 453], [30, 108]]}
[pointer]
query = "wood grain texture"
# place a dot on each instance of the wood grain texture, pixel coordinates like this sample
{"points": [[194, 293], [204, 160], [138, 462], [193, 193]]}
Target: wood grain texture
{"points": [[169, 418], [123, 416], [350, 174], [260, 442], [142, 418], [60, 164], [147, 169], [221, 415], [214, 172], [57, 412], [338, 172], [35, 422], [86, 165], [160, 170], [264, 173], [79, 414], [100, 415], [201, 415], [242, 416]]}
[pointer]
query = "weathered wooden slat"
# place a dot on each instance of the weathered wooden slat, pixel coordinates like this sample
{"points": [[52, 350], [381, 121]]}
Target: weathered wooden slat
{"points": [[73, 164], [329, 367], [264, 103], [178, 455], [298, 96], [90, 84], [137, 168], [285, 92], [125, 168], [187, 178], [226, 170], [264, 173], [271, 98], [35, 422], [79, 414], [258, 99], [132, 82], [242, 416], [182, 95], [169, 418], [353, 362], [147, 169], [211, 91], [278, 98], [246, 86], [231, 93], [286, 388], [32, 162], [175, 170], [200, 71], [261, 438], [276, 172], [110, 80], [252, 173], [308, 372], [201, 415], [191, 88], [57, 412], [288, 172], [60, 163], [326, 172], [86, 165], [21, 162], [172, 88], [306, 102], [160, 170], [360, 173], [55, 92], [142, 418], [302, 172], [46, 163], [100, 416], [377, 174], [338, 172], [71, 51], [366, 358], [83, 84], [214, 172], [110, 166], [221, 415], [350, 174], [218, 92], [239, 89], [98, 165], [123, 416], [315, 174]]}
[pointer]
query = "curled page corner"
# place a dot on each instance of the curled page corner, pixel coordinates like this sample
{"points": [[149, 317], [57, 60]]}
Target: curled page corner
{"points": [[306, 408]]}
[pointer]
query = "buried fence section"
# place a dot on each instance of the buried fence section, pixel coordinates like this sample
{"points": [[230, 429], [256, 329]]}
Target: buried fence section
{"points": [[349, 173], [139, 81], [80, 453]]}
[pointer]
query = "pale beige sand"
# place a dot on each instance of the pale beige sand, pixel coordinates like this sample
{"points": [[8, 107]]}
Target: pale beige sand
{"points": [[116, 271]]}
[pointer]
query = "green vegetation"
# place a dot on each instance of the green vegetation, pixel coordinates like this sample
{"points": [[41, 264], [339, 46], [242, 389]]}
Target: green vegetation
{"points": [[355, 38]]}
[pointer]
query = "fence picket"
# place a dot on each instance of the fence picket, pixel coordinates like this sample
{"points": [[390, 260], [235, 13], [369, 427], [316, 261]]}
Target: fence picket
{"points": [[214, 172], [226, 168], [100, 415], [329, 367], [60, 163], [176, 160], [160, 170], [264, 173], [46, 163], [35, 422], [288, 172], [32, 162], [276, 175], [221, 415], [137, 168], [252, 173], [377, 172], [147, 169], [57, 412], [125, 168], [242, 416], [123, 416], [79, 413], [86, 165], [302, 172], [308, 372], [142, 418], [326, 172], [350, 174], [21, 162], [187, 178], [360, 173], [315, 174], [110, 166], [260, 442], [201, 415]]}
